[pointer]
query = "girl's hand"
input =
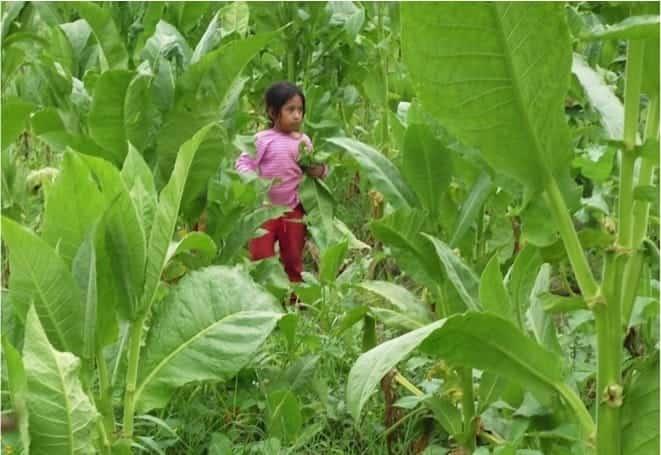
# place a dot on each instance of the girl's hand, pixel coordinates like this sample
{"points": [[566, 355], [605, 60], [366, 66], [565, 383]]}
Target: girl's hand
{"points": [[315, 170]]}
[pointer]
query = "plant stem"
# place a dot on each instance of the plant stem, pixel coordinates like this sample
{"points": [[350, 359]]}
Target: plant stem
{"points": [[135, 336], [589, 289], [407, 385], [383, 57], [85, 380], [577, 257], [105, 393], [609, 348], [625, 200], [632, 85], [608, 316], [575, 403], [103, 434], [641, 209], [468, 407]]}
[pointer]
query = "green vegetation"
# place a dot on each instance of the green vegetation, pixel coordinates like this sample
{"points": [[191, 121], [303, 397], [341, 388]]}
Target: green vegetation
{"points": [[482, 267]]}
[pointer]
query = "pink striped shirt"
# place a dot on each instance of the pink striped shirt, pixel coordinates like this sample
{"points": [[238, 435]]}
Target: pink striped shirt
{"points": [[277, 159]]}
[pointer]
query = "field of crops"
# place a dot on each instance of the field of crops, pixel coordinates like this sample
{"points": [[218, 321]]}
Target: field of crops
{"points": [[481, 269]]}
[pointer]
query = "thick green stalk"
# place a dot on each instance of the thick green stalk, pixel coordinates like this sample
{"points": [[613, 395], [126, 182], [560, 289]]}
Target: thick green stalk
{"points": [[592, 295], [135, 335], [383, 59], [574, 402], [641, 209], [608, 316], [633, 82], [625, 200], [85, 379], [577, 257], [632, 271], [105, 403], [468, 407], [609, 357], [103, 434]]}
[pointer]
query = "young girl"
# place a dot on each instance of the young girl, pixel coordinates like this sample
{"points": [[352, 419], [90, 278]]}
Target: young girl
{"points": [[277, 159]]}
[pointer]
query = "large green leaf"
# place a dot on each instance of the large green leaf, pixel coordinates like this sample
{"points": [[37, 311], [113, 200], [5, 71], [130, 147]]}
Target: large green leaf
{"points": [[195, 241], [400, 230], [209, 40], [153, 13], [496, 78], [446, 413], [216, 71], [166, 215], [107, 123], [205, 166], [40, 276], [73, 204], [411, 312], [167, 40], [601, 97], [60, 48], [460, 275], [371, 366], [245, 229], [135, 168], [15, 114], [18, 388], [380, 171], [521, 279], [139, 180], [235, 18], [142, 118], [204, 93], [84, 272], [489, 342], [78, 33], [540, 321], [477, 340], [12, 11], [207, 329], [121, 248], [113, 53], [284, 419], [331, 261], [61, 415], [640, 412], [48, 125], [635, 27], [493, 295], [426, 166], [472, 206]]}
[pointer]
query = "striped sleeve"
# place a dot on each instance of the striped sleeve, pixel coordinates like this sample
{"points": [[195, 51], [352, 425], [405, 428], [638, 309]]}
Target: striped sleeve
{"points": [[245, 163]]}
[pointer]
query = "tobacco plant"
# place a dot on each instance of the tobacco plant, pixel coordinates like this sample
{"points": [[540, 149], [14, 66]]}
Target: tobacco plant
{"points": [[498, 83]]}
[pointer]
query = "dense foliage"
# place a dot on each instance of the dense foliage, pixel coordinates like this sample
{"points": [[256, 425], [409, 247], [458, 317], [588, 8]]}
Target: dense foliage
{"points": [[484, 252]]}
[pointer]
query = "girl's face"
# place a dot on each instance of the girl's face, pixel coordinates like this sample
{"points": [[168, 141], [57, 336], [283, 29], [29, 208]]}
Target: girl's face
{"points": [[290, 116]]}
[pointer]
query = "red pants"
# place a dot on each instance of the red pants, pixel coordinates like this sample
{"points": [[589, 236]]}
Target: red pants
{"points": [[289, 231]]}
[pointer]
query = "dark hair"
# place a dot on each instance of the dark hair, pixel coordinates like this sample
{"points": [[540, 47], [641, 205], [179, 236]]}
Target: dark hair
{"points": [[277, 96]]}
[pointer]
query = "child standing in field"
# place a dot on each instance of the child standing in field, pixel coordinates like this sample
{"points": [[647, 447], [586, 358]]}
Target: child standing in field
{"points": [[276, 159]]}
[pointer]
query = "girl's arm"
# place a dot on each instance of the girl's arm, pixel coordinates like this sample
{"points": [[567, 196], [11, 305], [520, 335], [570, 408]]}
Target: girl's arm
{"points": [[246, 163]]}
